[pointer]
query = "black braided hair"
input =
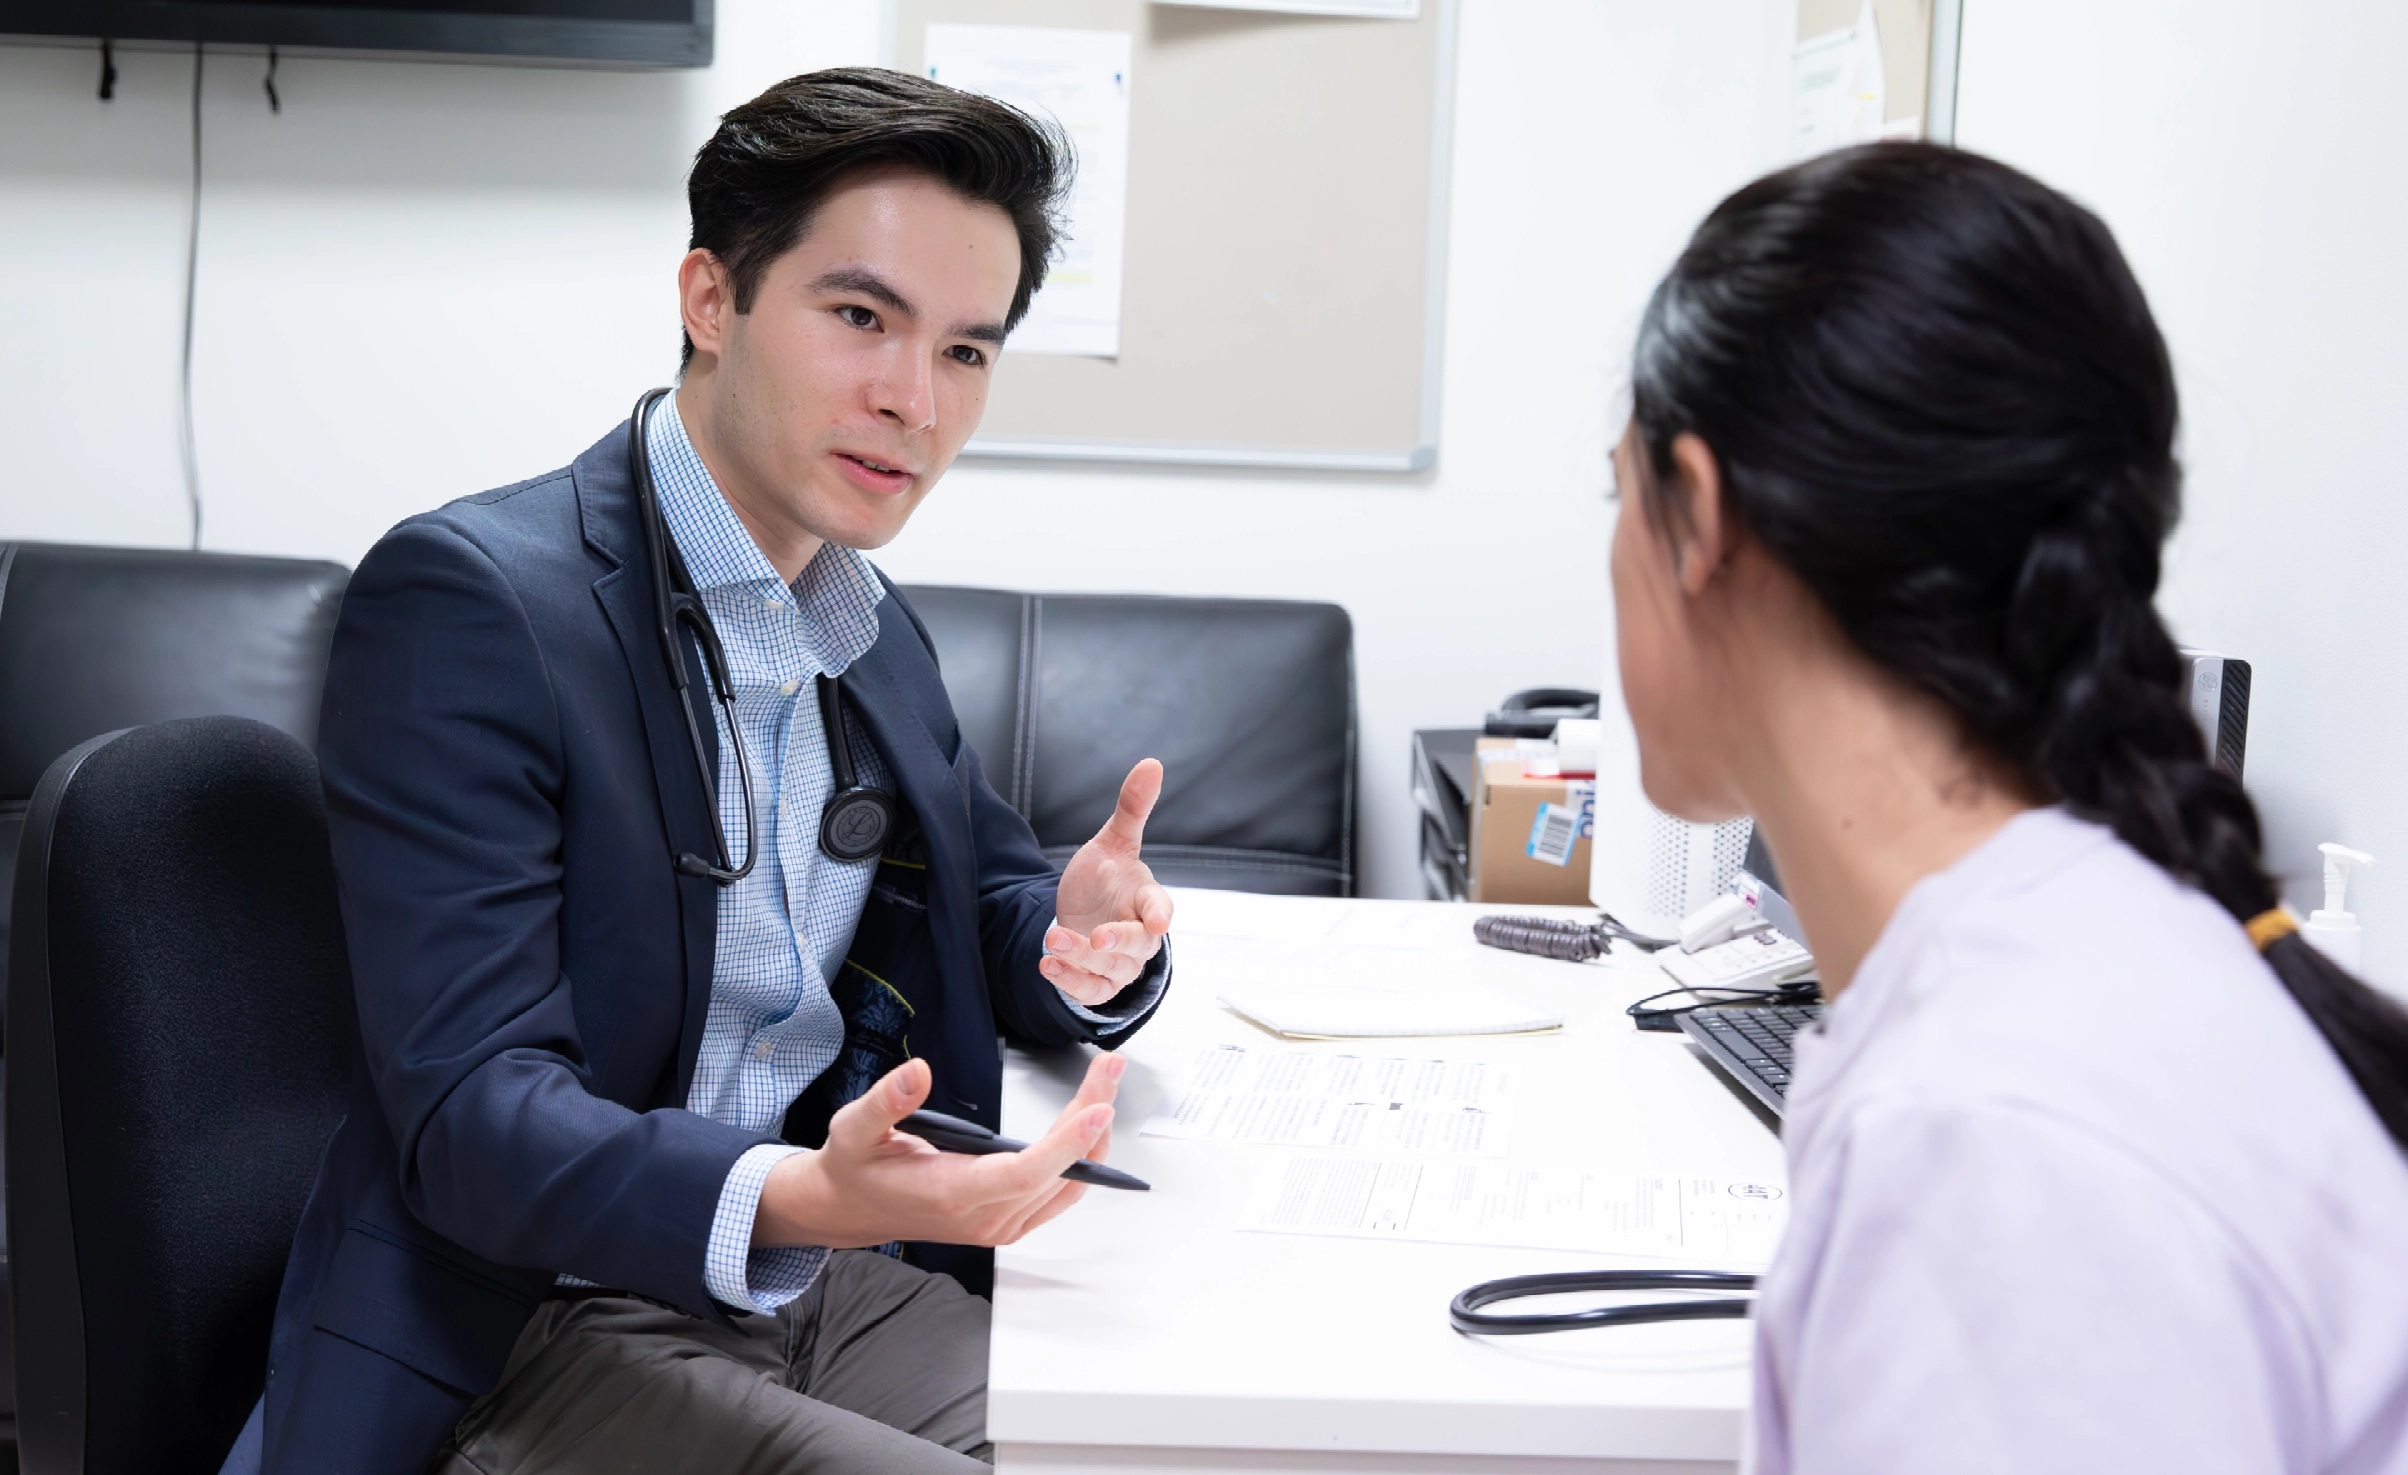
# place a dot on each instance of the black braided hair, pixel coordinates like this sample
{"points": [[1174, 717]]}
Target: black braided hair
{"points": [[1937, 395]]}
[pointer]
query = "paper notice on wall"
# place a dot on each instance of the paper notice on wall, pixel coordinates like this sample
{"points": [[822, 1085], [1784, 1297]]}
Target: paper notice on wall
{"points": [[1308, 1098], [1840, 92], [1710, 1221], [1081, 80]]}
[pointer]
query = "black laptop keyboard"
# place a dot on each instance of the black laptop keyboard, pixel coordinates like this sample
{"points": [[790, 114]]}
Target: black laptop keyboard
{"points": [[1752, 1044]]}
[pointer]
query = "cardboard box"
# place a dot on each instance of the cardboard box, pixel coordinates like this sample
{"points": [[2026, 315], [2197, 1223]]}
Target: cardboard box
{"points": [[1530, 836]]}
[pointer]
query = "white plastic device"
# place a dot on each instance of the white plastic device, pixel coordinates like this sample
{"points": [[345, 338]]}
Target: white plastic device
{"points": [[2333, 928], [1757, 959], [1576, 743], [1718, 921]]}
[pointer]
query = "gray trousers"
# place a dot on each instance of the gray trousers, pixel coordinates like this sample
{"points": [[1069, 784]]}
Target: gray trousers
{"points": [[878, 1367]]}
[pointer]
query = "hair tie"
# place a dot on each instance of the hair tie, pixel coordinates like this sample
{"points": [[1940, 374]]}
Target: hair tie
{"points": [[2271, 926]]}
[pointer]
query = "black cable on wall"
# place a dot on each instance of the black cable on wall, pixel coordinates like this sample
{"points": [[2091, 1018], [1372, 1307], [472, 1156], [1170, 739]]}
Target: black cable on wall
{"points": [[192, 271]]}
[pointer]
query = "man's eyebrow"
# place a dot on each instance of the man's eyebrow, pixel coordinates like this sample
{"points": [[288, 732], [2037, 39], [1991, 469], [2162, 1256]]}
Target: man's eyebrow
{"points": [[871, 285], [868, 284]]}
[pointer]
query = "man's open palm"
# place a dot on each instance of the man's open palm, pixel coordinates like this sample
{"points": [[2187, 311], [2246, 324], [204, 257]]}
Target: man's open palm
{"points": [[1110, 916]]}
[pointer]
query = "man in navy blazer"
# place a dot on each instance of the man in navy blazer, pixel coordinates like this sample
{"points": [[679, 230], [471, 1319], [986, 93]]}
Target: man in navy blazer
{"points": [[607, 1189]]}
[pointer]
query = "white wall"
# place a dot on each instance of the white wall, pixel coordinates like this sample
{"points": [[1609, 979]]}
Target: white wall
{"points": [[2248, 157], [422, 280], [416, 281]]}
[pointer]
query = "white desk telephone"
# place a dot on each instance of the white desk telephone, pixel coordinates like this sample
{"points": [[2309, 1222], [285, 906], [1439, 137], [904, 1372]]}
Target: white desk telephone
{"points": [[1729, 944]]}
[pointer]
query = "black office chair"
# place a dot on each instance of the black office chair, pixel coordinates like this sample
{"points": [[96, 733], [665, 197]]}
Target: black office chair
{"points": [[95, 639], [1249, 703], [180, 1033]]}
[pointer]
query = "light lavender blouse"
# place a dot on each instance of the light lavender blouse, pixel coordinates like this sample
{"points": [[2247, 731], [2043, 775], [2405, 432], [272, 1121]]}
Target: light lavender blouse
{"points": [[2078, 1188]]}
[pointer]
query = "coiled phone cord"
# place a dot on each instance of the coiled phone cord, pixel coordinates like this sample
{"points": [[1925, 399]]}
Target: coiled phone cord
{"points": [[1555, 937]]}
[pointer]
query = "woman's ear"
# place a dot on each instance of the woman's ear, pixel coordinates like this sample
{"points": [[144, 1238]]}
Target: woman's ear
{"points": [[1702, 535]]}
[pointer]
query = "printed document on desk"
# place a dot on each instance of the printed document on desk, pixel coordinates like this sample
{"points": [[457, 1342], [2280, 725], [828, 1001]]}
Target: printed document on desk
{"points": [[1308, 1098], [1706, 1221]]}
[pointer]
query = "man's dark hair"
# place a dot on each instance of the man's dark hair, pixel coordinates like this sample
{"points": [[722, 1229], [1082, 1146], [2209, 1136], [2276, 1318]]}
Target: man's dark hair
{"points": [[762, 177]]}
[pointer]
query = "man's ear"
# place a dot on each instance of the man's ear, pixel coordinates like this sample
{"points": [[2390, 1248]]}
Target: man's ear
{"points": [[1703, 534], [706, 299]]}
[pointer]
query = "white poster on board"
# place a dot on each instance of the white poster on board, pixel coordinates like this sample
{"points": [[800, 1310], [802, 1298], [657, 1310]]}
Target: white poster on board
{"points": [[1080, 79], [1841, 91]]}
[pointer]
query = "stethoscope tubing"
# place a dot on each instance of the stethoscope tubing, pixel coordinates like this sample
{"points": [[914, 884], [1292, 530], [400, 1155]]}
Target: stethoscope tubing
{"points": [[1465, 1315], [856, 819]]}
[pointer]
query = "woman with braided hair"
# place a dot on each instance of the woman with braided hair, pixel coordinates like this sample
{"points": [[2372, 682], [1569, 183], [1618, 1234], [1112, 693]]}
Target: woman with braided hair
{"points": [[2096, 1165]]}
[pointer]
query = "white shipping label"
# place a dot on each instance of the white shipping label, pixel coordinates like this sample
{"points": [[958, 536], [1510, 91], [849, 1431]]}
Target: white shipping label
{"points": [[1559, 828]]}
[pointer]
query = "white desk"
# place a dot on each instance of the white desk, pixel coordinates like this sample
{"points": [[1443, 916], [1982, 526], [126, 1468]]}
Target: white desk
{"points": [[1144, 1332]]}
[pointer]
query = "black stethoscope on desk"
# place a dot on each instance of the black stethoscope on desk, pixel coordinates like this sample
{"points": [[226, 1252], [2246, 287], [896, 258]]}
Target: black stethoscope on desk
{"points": [[856, 820], [1465, 1315]]}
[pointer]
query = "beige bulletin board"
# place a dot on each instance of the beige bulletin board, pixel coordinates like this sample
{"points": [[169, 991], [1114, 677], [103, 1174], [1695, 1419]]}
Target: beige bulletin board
{"points": [[1285, 268]]}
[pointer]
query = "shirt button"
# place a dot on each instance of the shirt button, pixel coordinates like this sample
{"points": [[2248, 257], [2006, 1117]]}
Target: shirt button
{"points": [[769, 601], [791, 687], [764, 1049]]}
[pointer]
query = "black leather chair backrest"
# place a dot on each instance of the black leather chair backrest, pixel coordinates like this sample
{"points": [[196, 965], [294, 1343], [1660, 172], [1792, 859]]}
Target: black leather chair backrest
{"points": [[1249, 703], [180, 1037], [95, 639]]}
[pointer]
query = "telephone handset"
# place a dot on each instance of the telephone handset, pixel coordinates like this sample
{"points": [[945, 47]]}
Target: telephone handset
{"points": [[1534, 713]]}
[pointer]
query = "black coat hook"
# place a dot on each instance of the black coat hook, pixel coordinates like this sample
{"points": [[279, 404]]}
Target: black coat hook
{"points": [[275, 103], [108, 70]]}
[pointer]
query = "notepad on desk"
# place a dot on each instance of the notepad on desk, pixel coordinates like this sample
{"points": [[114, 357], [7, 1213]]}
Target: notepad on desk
{"points": [[1333, 1012]]}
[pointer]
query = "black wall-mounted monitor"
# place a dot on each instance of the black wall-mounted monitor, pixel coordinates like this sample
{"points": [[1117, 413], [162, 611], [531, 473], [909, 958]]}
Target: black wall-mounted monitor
{"points": [[648, 33]]}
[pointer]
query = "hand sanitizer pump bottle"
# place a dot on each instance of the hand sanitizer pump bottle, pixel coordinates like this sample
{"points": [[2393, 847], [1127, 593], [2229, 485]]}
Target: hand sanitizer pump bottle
{"points": [[2333, 929]]}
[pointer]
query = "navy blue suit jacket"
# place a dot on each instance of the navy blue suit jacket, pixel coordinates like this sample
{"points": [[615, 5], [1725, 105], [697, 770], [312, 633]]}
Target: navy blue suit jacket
{"points": [[507, 779]]}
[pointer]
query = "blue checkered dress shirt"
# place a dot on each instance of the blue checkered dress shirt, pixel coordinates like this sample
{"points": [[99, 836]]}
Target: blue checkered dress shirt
{"points": [[784, 930]]}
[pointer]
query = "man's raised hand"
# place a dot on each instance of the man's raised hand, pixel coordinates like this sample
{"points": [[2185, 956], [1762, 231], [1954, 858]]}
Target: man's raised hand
{"points": [[1110, 916]]}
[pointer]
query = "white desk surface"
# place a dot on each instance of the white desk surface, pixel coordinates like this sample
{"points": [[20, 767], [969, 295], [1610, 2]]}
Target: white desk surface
{"points": [[1147, 1332]]}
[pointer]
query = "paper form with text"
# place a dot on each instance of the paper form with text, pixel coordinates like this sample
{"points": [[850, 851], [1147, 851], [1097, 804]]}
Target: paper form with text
{"points": [[1307, 1098], [1706, 1221]]}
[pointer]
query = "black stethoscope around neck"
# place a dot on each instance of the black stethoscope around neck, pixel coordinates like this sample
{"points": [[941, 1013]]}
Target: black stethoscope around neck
{"points": [[856, 820]]}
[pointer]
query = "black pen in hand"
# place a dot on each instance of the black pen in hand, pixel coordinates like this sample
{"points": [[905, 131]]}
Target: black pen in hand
{"points": [[952, 1134]]}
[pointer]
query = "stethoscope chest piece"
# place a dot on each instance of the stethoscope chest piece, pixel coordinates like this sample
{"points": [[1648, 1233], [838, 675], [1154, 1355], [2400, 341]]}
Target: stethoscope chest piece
{"points": [[854, 824], [856, 820]]}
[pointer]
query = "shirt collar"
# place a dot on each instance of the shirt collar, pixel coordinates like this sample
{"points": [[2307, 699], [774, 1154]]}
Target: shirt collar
{"points": [[837, 592]]}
